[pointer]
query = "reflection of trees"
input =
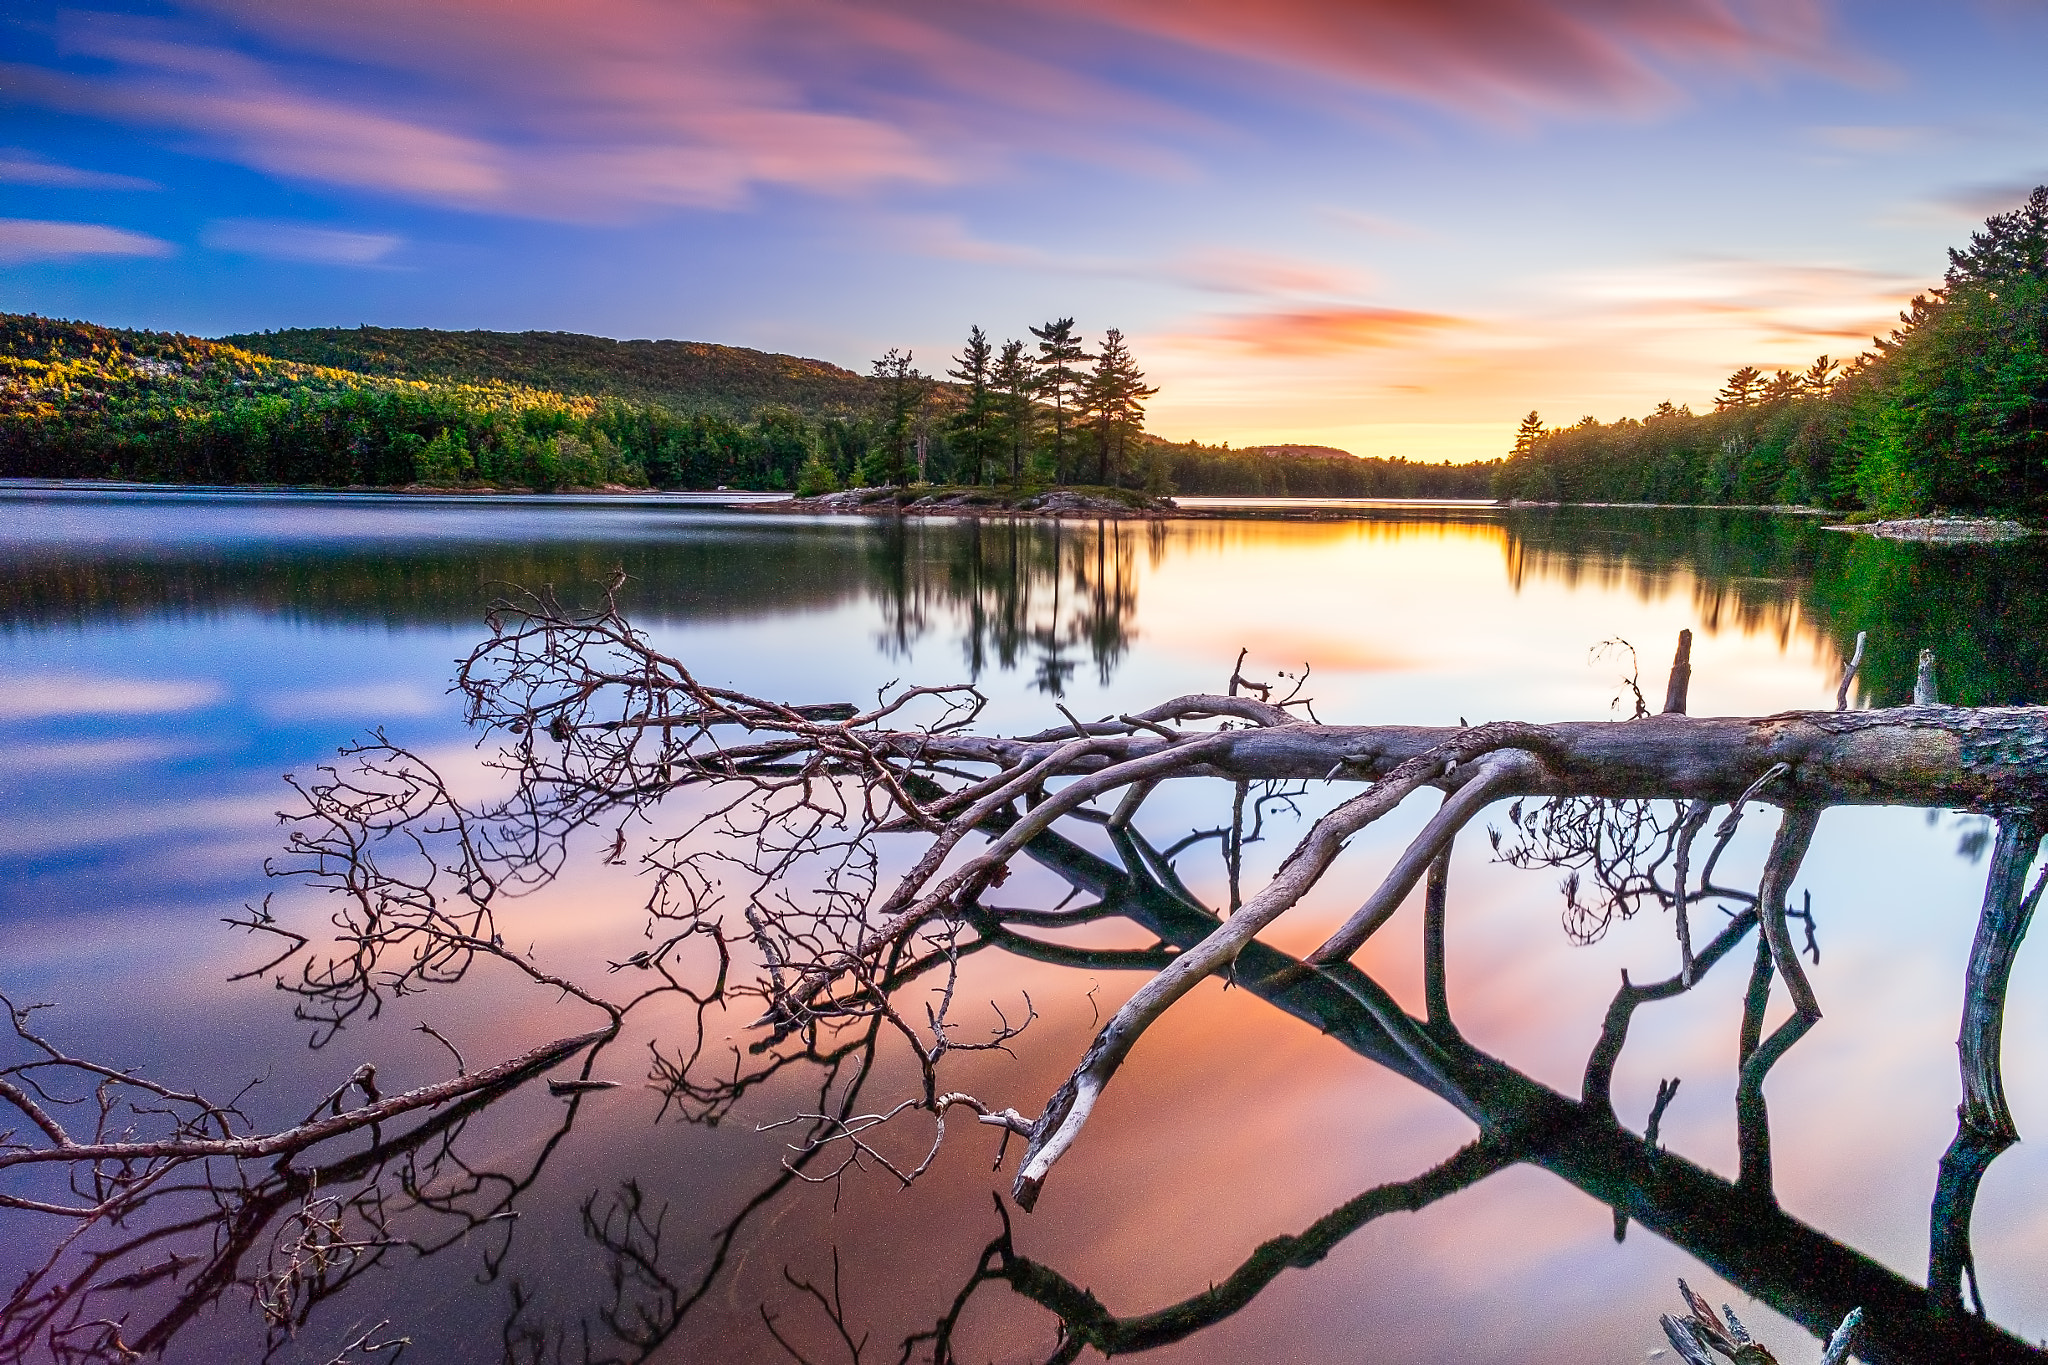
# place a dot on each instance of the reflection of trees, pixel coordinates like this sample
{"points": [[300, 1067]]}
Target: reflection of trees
{"points": [[1020, 593], [1739, 564], [1042, 595], [1981, 609], [703, 573]]}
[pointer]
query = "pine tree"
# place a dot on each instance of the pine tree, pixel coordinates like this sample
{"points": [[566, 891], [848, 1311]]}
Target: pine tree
{"points": [[2012, 246], [1059, 352], [1783, 385], [972, 368], [1820, 376], [903, 390], [1015, 379], [1529, 433], [1742, 390], [1114, 396]]}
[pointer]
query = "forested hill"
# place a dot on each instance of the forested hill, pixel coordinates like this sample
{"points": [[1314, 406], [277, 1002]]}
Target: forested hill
{"points": [[1949, 412], [682, 375]]}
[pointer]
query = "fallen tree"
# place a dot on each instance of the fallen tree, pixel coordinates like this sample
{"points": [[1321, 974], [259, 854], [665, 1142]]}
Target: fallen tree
{"points": [[771, 891]]}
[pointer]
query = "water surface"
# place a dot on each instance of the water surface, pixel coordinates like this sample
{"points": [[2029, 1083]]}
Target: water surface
{"points": [[164, 658]]}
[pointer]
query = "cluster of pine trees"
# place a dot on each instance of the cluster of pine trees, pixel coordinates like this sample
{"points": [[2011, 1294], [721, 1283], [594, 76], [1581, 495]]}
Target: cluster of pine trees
{"points": [[1045, 413], [1950, 412]]}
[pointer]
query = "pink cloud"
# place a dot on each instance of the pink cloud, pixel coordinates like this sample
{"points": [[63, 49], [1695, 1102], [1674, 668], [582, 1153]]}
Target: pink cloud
{"points": [[18, 167], [32, 239], [1490, 57], [1234, 271], [1330, 330]]}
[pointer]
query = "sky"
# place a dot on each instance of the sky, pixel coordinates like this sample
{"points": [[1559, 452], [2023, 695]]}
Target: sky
{"points": [[1393, 226]]}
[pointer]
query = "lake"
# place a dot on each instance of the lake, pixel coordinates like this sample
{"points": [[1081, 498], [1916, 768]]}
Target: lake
{"points": [[166, 657]]}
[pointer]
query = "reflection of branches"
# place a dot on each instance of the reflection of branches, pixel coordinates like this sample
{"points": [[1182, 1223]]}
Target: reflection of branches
{"points": [[1984, 1124], [828, 869], [291, 1236], [1085, 1322]]}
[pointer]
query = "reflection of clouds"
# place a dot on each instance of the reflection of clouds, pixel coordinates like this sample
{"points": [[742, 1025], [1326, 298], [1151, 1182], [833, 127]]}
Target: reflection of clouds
{"points": [[111, 825], [372, 701], [1233, 1123], [91, 755], [51, 696]]}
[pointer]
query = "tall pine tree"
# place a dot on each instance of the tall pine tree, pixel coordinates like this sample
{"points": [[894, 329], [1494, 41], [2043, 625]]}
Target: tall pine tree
{"points": [[1115, 393], [1017, 381], [1059, 353], [976, 418], [903, 394]]}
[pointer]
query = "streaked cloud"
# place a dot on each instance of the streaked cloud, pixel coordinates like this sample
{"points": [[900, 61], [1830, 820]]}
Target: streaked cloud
{"points": [[1985, 198], [298, 242], [50, 696], [1870, 139], [19, 167], [1376, 224], [1329, 330], [1498, 57], [1763, 305], [615, 107], [36, 239], [1225, 270], [250, 115]]}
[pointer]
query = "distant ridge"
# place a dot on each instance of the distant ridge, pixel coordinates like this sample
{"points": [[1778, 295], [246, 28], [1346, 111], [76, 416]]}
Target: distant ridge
{"points": [[1302, 452], [682, 375]]}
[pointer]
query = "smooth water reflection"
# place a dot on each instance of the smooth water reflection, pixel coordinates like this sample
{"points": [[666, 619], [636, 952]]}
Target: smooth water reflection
{"points": [[165, 658]]}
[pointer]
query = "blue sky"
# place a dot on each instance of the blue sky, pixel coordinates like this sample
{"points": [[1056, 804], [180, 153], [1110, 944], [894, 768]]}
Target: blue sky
{"points": [[1389, 225]]}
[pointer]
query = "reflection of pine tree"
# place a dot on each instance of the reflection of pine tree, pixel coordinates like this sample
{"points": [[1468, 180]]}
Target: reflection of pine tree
{"points": [[1023, 594]]}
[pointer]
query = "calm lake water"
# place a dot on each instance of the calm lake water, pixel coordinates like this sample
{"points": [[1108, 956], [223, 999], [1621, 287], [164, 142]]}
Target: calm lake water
{"points": [[164, 658]]}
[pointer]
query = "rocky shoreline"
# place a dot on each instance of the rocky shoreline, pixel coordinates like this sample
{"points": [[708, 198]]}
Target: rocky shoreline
{"points": [[1941, 530], [982, 502]]}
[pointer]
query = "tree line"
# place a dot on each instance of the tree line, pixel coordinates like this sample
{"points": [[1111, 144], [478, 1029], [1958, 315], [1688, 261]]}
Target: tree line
{"points": [[82, 401], [1948, 412]]}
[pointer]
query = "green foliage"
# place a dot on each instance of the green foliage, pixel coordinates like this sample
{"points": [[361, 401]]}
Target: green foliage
{"points": [[904, 389], [78, 401], [1307, 472], [817, 476], [1015, 383]]}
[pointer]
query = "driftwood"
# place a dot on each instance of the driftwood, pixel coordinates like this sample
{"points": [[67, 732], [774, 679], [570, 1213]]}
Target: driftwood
{"points": [[771, 893]]}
